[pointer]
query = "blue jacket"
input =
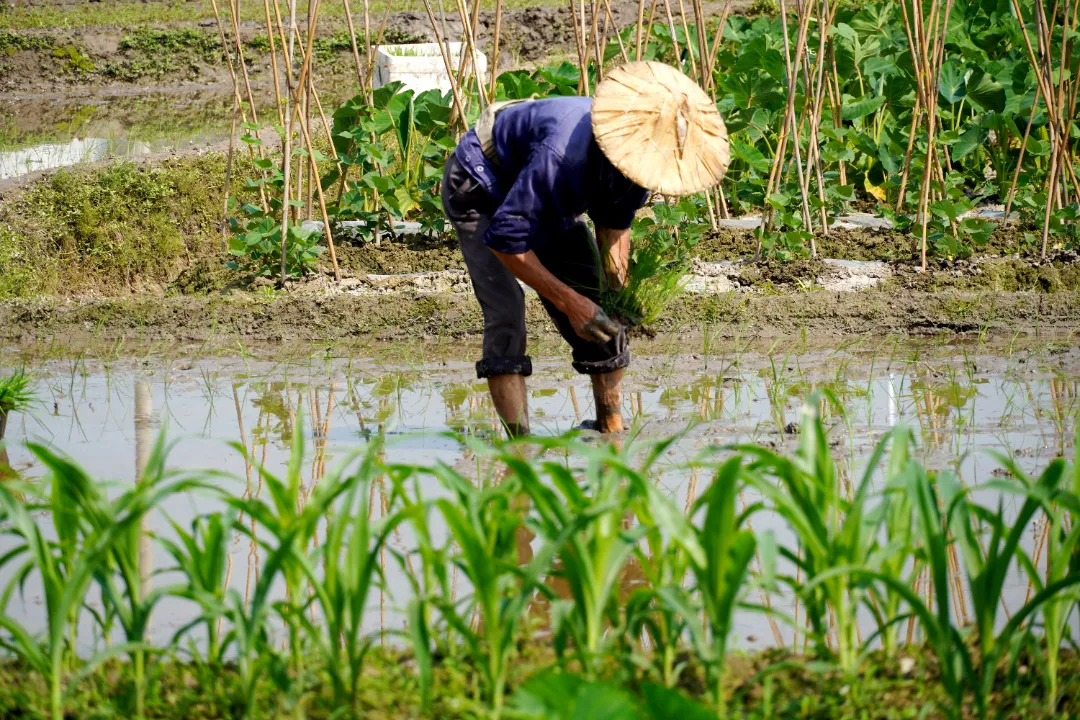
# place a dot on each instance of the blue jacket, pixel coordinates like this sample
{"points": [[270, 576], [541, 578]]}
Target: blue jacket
{"points": [[550, 172]]}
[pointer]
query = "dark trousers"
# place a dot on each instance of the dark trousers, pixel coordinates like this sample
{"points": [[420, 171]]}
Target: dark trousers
{"points": [[569, 255]]}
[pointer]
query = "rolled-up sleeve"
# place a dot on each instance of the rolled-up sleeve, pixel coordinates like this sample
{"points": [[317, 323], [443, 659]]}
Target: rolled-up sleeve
{"points": [[532, 197]]}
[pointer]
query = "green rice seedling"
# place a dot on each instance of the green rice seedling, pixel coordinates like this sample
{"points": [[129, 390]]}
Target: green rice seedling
{"points": [[97, 541], [17, 394], [593, 558], [719, 554], [659, 262], [834, 534]]}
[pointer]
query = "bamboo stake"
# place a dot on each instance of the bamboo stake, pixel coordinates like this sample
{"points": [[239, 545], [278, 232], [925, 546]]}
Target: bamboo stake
{"points": [[640, 27], [689, 47], [648, 32], [618, 36], [716, 45], [495, 47], [355, 49], [446, 62], [236, 95], [1023, 148], [273, 63], [910, 148], [228, 180], [583, 80], [671, 32]]}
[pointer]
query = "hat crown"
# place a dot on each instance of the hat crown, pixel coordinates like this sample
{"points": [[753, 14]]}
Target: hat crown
{"points": [[660, 129]]}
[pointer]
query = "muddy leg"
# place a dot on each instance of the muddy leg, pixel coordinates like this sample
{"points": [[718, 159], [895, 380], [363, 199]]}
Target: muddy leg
{"points": [[508, 394], [607, 392]]}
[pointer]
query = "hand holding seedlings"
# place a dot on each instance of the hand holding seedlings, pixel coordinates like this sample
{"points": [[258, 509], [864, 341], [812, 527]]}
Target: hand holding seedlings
{"points": [[598, 327]]}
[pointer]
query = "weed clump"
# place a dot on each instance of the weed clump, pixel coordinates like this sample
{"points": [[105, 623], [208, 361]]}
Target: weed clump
{"points": [[110, 229]]}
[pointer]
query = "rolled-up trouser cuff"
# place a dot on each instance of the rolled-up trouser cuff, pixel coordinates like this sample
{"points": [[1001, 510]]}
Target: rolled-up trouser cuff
{"points": [[491, 367], [603, 367]]}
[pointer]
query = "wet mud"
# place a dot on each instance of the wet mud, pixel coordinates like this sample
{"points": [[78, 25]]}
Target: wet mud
{"points": [[411, 315]]}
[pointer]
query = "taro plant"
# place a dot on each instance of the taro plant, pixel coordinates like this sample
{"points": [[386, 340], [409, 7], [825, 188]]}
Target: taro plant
{"points": [[398, 144]]}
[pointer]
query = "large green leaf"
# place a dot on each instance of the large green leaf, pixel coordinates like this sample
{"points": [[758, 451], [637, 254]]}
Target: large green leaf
{"points": [[751, 156], [861, 108], [968, 141], [951, 84], [985, 92], [663, 703], [564, 696]]}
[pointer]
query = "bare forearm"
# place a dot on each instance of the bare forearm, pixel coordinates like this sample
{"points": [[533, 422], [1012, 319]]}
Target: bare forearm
{"points": [[615, 253], [527, 268]]}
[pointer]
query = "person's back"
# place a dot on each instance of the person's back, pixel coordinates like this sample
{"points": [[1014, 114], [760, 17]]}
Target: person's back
{"points": [[547, 171], [514, 191]]}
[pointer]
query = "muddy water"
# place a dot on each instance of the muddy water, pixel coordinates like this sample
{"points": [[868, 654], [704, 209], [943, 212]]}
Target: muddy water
{"points": [[105, 415], [51, 132]]}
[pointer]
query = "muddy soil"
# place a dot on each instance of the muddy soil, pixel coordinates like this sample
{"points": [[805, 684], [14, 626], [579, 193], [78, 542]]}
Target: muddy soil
{"points": [[43, 62], [395, 316], [863, 244]]}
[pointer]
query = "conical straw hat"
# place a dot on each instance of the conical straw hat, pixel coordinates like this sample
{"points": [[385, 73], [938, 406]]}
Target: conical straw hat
{"points": [[660, 129]]}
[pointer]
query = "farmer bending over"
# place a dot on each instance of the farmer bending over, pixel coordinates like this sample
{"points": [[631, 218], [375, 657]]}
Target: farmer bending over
{"points": [[516, 187]]}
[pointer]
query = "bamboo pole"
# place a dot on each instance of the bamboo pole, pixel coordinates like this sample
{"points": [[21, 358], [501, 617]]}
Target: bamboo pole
{"points": [[355, 49], [228, 180], [583, 80], [640, 27], [446, 62], [648, 32], [689, 46], [495, 48], [716, 47], [236, 95], [618, 36], [273, 63]]}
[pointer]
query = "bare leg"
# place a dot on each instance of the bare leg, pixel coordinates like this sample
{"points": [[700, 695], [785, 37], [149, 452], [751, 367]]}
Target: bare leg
{"points": [[508, 394], [607, 392]]}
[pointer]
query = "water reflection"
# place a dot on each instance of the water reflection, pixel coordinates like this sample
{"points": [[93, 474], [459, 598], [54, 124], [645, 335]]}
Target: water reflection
{"points": [[91, 409]]}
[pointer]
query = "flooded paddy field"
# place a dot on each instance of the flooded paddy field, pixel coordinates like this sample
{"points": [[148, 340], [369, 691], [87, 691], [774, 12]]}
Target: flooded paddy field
{"points": [[105, 408]]}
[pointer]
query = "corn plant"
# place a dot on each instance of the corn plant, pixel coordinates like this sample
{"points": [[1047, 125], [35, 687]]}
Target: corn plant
{"points": [[834, 533], [719, 554], [483, 523], [987, 567], [289, 523], [200, 556], [349, 559], [593, 558], [97, 542]]}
